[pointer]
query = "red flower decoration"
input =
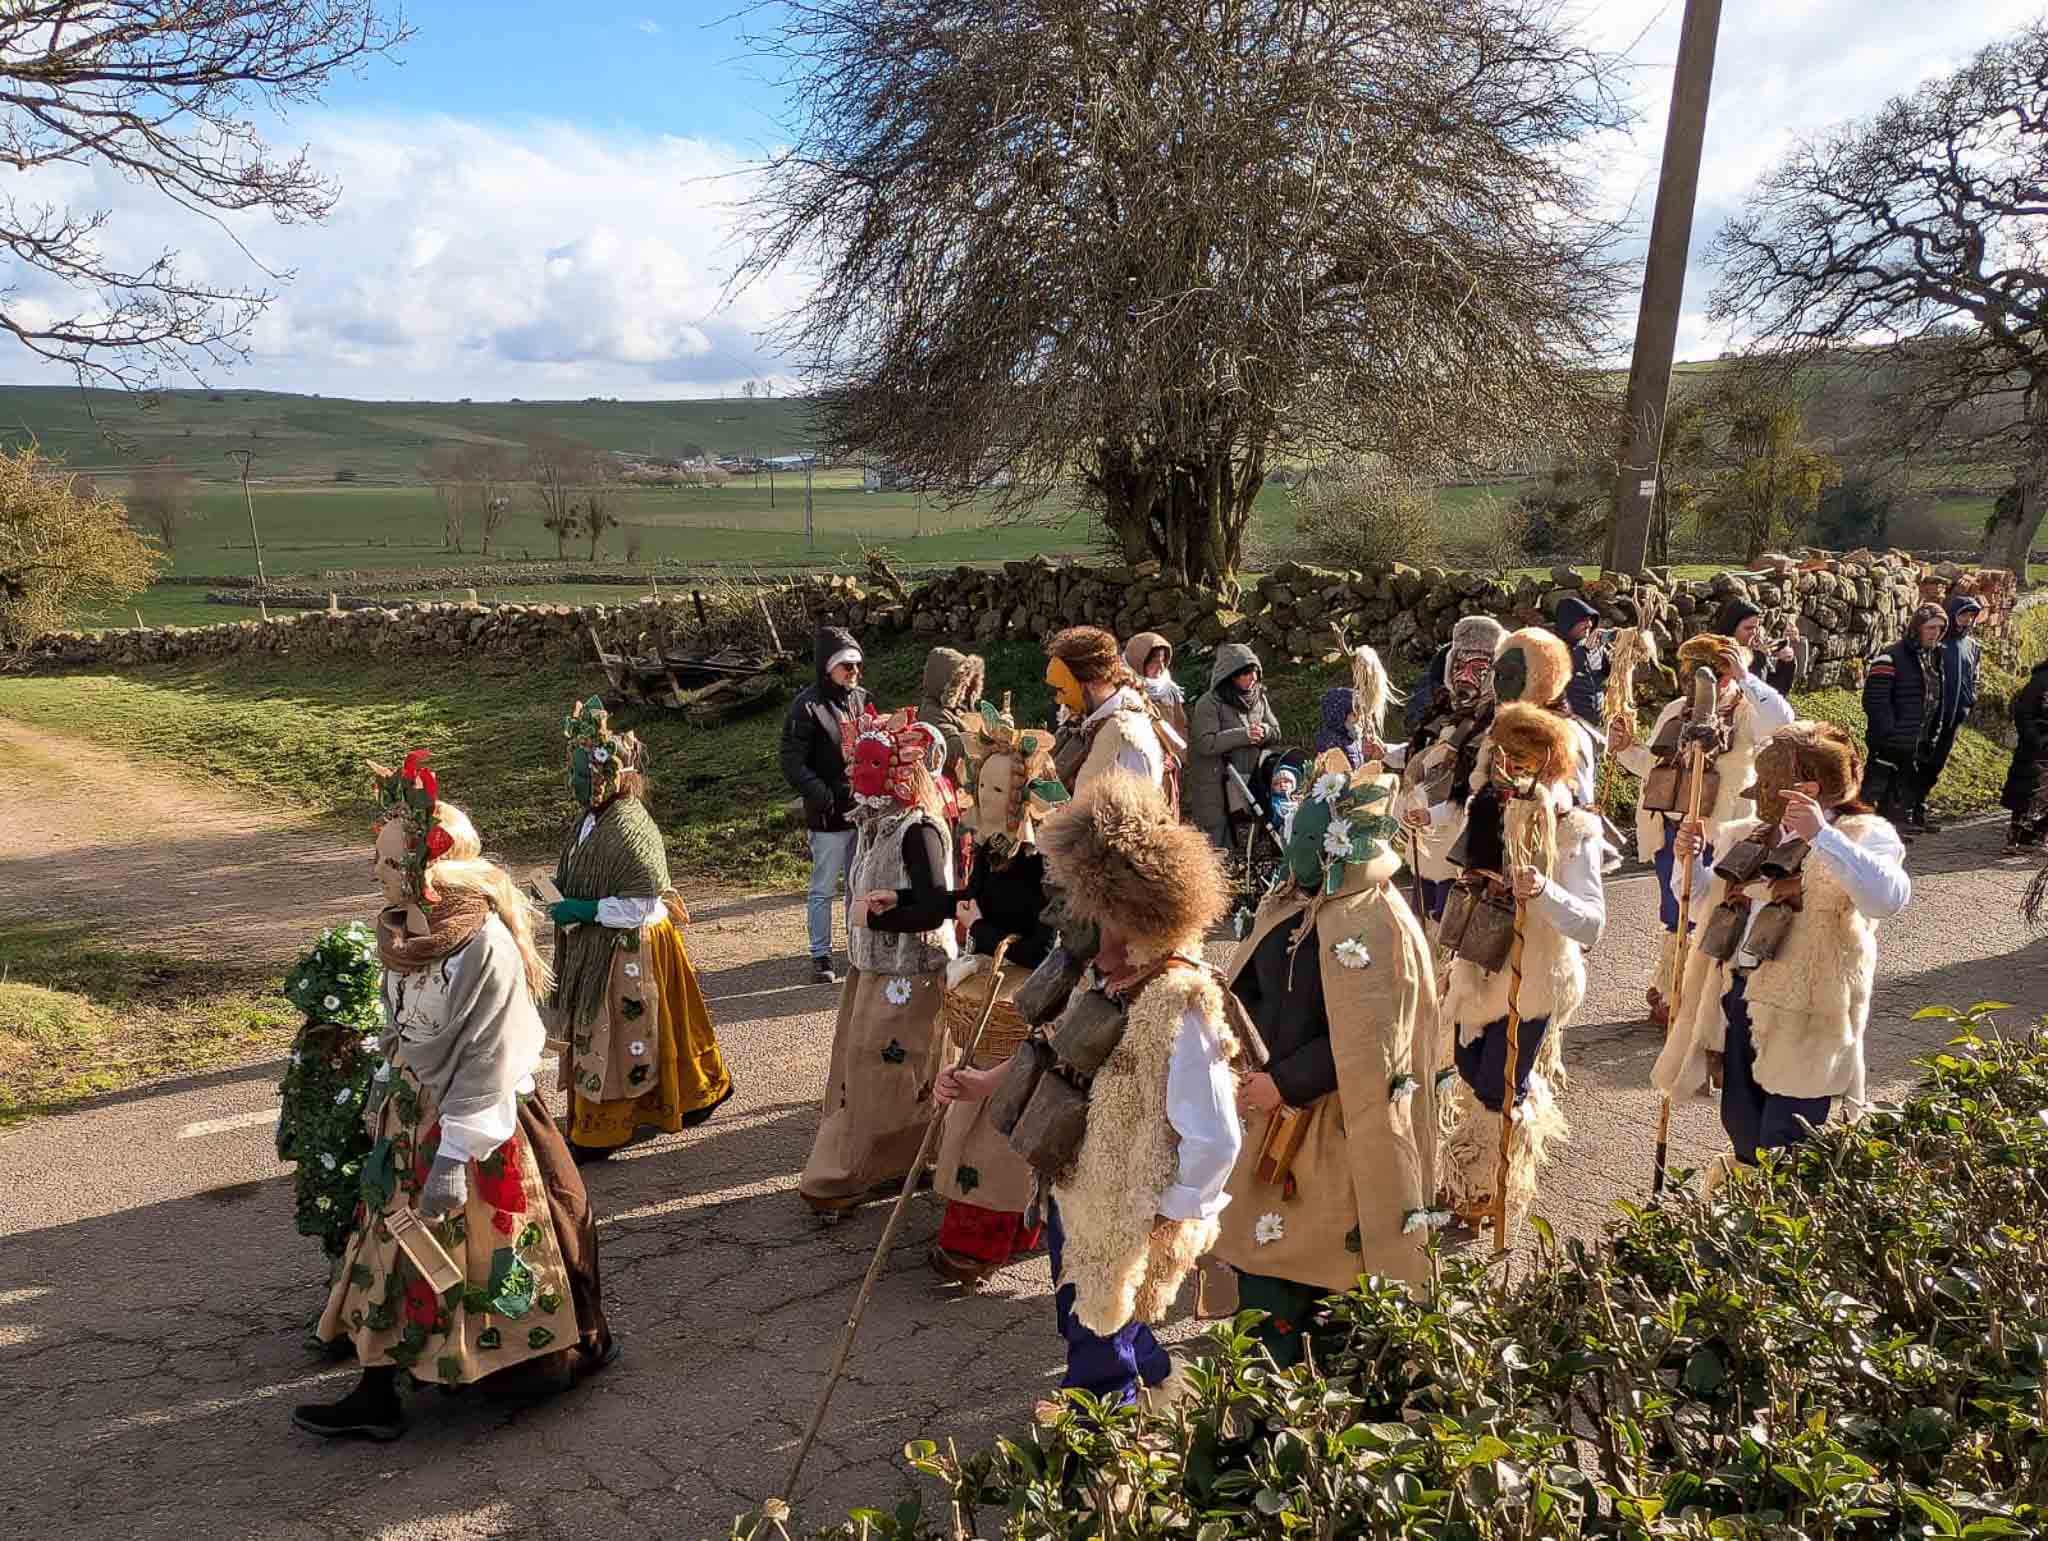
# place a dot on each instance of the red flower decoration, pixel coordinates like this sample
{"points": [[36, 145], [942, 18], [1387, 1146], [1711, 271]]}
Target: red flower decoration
{"points": [[498, 1179], [415, 770], [439, 843], [422, 1305], [502, 1223]]}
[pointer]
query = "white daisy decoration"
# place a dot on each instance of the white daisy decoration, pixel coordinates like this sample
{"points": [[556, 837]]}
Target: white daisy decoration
{"points": [[1402, 1086], [601, 755], [1268, 1229], [327, 1160], [383, 1072], [898, 991], [345, 1096], [1444, 1077], [1337, 838], [637, 1047], [1352, 953], [632, 971], [1424, 1219], [1329, 787], [332, 1003], [323, 1202]]}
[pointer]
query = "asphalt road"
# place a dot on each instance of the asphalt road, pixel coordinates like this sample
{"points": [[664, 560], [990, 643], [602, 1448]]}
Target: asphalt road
{"points": [[153, 1295]]}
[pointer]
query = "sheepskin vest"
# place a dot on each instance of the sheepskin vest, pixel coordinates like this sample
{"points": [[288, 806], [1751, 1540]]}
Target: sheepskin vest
{"points": [[1129, 1157], [878, 864], [1553, 966], [1129, 728], [1737, 765], [1808, 1006]]}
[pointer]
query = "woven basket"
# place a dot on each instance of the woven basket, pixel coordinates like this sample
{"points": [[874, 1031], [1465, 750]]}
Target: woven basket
{"points": [[962, 1009]]}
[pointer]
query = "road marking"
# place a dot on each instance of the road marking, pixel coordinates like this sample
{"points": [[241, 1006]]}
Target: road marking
{"points": [[748, 995], [223, 1125]]}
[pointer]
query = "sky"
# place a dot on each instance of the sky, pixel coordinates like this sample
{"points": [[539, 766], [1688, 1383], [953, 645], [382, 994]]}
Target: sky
{"points": [[538, 200]]}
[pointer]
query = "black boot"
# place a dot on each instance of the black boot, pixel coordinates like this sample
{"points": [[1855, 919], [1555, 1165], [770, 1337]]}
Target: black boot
{"points": [[371, 1410]]}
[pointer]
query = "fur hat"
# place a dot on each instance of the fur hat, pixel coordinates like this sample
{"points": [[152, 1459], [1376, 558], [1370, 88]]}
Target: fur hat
{"points": [[1819, 752], [1532, 665], [1711, 650], [1477, 634], [1089, 651], [1119, 857], [1535, 740]]}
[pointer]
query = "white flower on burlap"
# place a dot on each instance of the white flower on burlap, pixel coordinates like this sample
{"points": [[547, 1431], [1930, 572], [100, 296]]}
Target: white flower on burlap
{"points": [[383, 1072], [897, 991], [637, 1048], [1444, 1078], [1352, 952], [1337, 839], [1329, 787], [1268, 1228], [601, 755], [1402, 1086], [332, 1003], [632, 971], [1424, 1219]]}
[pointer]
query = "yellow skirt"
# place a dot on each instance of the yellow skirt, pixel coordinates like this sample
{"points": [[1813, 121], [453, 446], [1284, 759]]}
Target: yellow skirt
{"points": [[689, 1069]]}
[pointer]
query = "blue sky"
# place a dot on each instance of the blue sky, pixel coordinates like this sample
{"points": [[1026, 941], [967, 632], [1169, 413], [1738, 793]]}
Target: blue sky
{"points": [[539, 200]]}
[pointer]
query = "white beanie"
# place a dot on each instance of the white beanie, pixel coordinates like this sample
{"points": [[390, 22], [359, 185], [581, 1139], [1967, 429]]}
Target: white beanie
{"points": [[844, 655]]}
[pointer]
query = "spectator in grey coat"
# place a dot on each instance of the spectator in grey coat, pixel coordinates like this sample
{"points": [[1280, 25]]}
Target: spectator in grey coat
{"points": [[1231, 725]]}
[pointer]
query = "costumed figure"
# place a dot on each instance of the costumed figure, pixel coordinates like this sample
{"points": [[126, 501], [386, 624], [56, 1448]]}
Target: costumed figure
{"points": [[642, 1051], [985, 1183], [1776, 996], [1107, 722], [1337, 1175], [1534, 666], [1150, 657], [887, 1043], [1125, 1106], [1530, 864], [1437, 764], [473, 1253], [1746, 711]]}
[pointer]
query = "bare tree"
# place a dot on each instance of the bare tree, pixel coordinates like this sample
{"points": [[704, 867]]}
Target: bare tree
{"points": [[165, 96], [487, 471], [443, 468], [1913, 243], [596, 513], [1744, 468], [560, 469], [160, 501], [1159, 241]]}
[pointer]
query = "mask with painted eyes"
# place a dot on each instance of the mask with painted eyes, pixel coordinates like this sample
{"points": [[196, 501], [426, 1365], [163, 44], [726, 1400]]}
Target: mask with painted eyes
{"points": [[868, 771], [1471, 678]]}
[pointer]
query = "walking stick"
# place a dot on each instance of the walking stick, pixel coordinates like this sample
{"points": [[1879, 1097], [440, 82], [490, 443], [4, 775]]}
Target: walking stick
{"points": [[1704, 691], [1509, 1078], [867, 1285]]}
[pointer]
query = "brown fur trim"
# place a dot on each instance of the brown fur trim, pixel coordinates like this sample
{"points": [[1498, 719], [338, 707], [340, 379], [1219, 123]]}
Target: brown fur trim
{"points": [[1532, 737], [1819, 752], [1550, 662], [1121, 859], [1090, 652], [1709, 650]]}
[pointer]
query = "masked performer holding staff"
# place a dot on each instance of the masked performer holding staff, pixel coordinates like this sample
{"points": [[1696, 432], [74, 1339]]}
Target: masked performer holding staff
{"points": [[1338, 1175], [1109, 723], [1126, 1107], [642, 1050], [1438, 762], [1747, 711], [474, 1253], [1525, 847], [887, 1043], [1777, 990]]}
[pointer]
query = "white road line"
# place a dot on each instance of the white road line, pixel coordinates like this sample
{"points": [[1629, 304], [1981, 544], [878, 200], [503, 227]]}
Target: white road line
{"points": [[223, 1125], [748, 995]]}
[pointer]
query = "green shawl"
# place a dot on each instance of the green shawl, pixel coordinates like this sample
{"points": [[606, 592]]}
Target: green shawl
{"points": [[623, 859]]}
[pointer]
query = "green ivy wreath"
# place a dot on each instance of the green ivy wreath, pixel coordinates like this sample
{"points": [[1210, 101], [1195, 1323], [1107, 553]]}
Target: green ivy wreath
{"points": [[337, 983]]}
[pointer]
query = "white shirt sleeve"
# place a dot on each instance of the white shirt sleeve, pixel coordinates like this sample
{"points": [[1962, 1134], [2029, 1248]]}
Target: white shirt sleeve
{"points": [[1872, 872], [475, 1137], [627, 914], [1575, 901], [1773, 711], [1394, 756], [1201, 1104], [1136, 762]]}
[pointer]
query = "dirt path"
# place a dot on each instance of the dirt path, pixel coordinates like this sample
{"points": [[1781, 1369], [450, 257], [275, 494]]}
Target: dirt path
{"points": [[93, 835]]}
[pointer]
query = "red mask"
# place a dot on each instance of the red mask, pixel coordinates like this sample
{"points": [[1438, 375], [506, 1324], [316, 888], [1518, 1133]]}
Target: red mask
{"points": [[885, 755]]}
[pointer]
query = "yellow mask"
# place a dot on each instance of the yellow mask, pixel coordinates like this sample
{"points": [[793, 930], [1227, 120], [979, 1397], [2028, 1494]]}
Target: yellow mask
{"points": [[1066, 688]]}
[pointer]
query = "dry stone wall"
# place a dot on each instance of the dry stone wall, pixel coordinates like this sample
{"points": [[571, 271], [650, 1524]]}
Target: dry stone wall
{"points": [[1847, 607]]}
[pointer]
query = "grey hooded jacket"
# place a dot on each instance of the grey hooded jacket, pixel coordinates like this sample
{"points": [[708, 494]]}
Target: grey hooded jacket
{"points": [[1218, 734]]}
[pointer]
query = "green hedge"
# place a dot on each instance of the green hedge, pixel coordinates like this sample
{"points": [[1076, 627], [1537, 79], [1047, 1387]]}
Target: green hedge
{"points": [[1851, 1342]]}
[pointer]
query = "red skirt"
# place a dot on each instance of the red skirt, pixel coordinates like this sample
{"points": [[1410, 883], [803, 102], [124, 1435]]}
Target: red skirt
{"points": [[991, 1236]]}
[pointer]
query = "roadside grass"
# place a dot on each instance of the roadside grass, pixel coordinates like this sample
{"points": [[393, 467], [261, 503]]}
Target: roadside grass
{"points": [[80, 1018]]}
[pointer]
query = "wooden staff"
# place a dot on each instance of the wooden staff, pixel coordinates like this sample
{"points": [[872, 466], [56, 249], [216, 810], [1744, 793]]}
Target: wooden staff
{"points": [[867, 1285], [1509, 1078], [1675, 995]]}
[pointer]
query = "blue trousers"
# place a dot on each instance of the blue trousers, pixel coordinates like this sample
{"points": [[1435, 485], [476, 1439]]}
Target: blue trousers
{"points": [[1483, 1060], [831, 850], [1434, 895], [1757, 1119], [1667, 888], [1109, 1367]]}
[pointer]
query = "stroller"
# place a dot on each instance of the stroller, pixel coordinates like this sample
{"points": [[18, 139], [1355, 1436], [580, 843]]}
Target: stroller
{"points": [[1257, 858]]}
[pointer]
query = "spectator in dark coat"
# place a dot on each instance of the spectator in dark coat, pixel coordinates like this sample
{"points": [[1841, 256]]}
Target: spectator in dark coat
{"points": [[1422, 699], [815, 767], [1962, 656], [1912, 699], [1579, 624], [1777, 667], [2023, 783], [1230, 727]]}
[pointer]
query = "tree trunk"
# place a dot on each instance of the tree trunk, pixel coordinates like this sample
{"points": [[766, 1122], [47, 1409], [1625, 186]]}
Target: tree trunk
{"points": [[2016, 517]]}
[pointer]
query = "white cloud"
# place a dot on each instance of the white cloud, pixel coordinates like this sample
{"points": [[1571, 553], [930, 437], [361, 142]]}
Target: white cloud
{"points": [[473, 260], [650, 27]]}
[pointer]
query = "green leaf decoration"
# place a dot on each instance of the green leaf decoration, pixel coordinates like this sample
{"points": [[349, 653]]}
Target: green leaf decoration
{"points": [[967, 1179], [360, 1277], [511, 1285], [550, 1302], [489, 1339], [382, 1318], [404, 1355], [1353, 1242], [529, 1237], [449, 1368], [539, 1337], [631, 1009], [379, 1182], [475, 1301], [1050, 792]]}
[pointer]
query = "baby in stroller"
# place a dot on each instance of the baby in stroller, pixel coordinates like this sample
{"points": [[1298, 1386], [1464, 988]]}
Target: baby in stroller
{"points": [[1279, 782]]}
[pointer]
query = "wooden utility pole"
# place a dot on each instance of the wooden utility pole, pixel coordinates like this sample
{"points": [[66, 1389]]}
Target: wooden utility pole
{"points": [[810, 543], [255, 544], [1649, 373]]}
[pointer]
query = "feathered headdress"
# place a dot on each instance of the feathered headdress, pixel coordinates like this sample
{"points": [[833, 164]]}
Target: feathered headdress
{"points": [[408, 795], [890, 761]]}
